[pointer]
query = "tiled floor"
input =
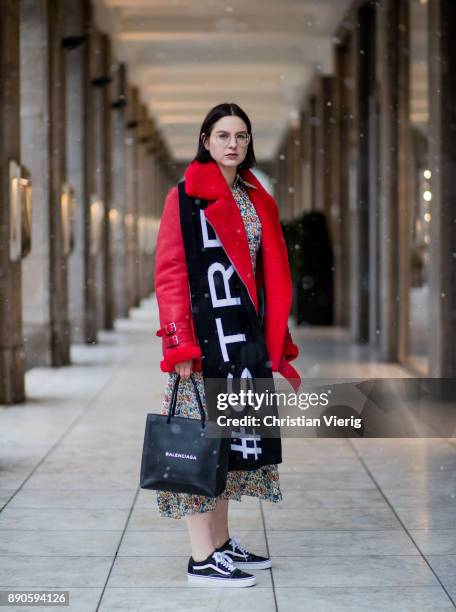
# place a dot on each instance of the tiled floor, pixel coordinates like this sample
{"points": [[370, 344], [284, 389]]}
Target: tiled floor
{"points": [[364, 525]]}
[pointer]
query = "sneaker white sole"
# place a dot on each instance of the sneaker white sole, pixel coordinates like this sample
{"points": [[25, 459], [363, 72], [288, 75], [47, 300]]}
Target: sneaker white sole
{"points": [[226, 582], [244, 565]]}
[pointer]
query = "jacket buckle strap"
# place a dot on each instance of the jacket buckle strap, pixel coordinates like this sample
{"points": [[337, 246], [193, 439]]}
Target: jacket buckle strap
{"points": [[167, 329], [170, 328], [173, 341]]}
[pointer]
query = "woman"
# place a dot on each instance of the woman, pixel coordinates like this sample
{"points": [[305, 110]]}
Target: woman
{"points": [[245, 222]]}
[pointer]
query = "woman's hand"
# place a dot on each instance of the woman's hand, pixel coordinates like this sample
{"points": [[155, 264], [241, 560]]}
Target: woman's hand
{"points": [[184, 368]]}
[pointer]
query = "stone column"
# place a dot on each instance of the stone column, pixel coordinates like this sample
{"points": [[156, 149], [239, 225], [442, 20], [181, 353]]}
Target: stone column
{"points": [[288, 188], [12, 356], [131, 217], [143, 140], [153, 221], [156, 204], [80, 158], [119, 191], [294, 170], [167, 170], [343, 171], [394, 248], [281, 192], [153, 151], [313, 124], [442, 283], [363, 211], [45, 279], [161, 175], [306, 149], [324, 134], [337, 193], [101, 58]]}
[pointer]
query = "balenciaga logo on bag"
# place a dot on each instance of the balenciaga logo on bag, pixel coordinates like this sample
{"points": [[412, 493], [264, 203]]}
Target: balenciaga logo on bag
{"points": [[180, 456]]}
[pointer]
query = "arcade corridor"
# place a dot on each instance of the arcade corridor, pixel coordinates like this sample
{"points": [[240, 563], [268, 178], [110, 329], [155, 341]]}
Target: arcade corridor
{"points": [[352, 104]]}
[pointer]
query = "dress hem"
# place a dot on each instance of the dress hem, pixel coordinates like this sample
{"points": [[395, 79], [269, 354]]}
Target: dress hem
{"points": [[231, 497]]}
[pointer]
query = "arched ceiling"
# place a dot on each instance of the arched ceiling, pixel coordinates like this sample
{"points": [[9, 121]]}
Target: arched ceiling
{"points": [[188, 55]]}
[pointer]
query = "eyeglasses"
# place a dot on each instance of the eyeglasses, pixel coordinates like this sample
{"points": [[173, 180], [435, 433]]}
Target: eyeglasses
{"points": [[224, 138]]}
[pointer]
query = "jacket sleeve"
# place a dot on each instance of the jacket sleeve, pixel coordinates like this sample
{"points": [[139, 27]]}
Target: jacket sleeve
{"points": [[172, 289]]}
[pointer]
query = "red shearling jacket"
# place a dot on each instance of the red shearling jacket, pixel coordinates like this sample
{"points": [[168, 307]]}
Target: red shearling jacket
{"points": [[179, 341]]}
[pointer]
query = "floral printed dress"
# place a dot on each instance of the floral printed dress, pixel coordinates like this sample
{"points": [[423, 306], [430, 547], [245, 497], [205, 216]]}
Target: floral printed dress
{"points": [[263, 482]]}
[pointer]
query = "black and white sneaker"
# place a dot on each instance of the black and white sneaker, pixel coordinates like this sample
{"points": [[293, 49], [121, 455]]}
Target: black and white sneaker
{"points": [[218, 570], [242, 558]]}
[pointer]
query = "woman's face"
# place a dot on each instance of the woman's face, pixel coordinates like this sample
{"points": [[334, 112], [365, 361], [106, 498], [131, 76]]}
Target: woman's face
{"points": [[222, 144]]}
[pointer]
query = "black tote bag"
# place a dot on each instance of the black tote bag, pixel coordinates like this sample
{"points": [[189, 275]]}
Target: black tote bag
{"points": [[179, 455]]}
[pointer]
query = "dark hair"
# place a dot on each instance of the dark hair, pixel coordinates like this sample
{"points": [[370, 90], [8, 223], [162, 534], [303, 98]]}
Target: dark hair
{"points": [[216, 113]]}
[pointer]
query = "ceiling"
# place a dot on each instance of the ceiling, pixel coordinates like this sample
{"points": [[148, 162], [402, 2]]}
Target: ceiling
{"points": [[189, 55], [419, 68]]}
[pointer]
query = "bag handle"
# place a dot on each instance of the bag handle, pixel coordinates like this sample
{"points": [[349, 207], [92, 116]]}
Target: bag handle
{"points": [[173, 402]]}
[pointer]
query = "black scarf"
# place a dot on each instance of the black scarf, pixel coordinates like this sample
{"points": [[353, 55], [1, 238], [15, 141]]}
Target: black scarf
{"points": [[227, 361]]}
